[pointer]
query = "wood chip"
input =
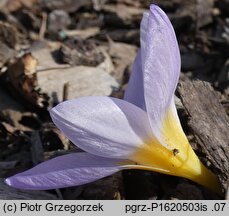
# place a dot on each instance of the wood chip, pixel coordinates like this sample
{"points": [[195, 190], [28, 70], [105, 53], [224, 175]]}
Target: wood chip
{"points": [[81, 52], [84, 33], [8, 34], [66, 5], [22, 78], [204, 12], [210, 124]]}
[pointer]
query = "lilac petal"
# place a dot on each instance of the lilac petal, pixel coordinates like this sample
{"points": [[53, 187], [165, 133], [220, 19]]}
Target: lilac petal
{"points": [[135, 92], [160, 64], [103, 126], [144, 30], [65, 171]]}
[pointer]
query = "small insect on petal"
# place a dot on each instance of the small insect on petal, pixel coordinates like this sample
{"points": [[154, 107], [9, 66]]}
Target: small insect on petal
{"points": [[175, 151]]}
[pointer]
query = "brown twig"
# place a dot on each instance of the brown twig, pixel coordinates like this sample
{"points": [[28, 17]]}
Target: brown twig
{"points": [[65, 91], [43, 26]]}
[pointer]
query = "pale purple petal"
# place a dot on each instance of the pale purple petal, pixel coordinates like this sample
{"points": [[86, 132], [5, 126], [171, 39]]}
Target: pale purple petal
{"points": [[65, 171], [103, 126], [135, 88], [160, 65], [134, 92], [144, 30]]}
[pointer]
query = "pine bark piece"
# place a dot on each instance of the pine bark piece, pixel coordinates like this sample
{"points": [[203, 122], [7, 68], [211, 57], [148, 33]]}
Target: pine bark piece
{"points": [[8, 34], [204, 12], [122, 15], [209, 123], [81, 52], [21, 80], [66, 5]]}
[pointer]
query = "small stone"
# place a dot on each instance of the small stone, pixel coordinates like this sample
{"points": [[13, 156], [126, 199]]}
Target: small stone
{"points": [[58, 20]]}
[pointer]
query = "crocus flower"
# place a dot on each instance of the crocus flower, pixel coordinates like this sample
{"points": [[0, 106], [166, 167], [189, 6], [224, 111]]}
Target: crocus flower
{"points": [[142, 131]]}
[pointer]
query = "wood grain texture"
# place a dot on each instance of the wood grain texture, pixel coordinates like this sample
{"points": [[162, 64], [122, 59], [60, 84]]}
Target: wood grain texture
{"points": [[209, 123]]}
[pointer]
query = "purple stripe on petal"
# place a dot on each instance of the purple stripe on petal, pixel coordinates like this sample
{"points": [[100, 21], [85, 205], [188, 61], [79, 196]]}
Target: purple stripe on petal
{"points": [[65, 171]]}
